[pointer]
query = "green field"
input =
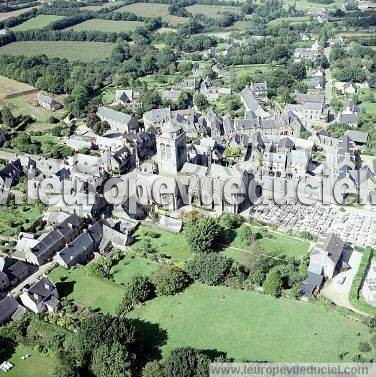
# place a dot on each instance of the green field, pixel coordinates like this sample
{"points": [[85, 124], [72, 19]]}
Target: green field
{"points": [[275, 243], [12, 87], [306, 5], [173, 245], [6, 15], [13, 217], [102, 6], [131, 266], [83, 51], [251, 326], [369, 107], [109, 26], [37, 22], [290, 20], [37, 364], [153, 10], [87, 290], [26, 105], [212, 11]]}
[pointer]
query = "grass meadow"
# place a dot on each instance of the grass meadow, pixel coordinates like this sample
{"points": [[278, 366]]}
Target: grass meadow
{"points": [[251, 326], [109, 26], [37, 22], [82, 51]]}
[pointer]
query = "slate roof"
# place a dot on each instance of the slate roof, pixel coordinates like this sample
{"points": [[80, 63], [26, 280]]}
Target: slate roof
{"points": [[357, 136], [114, 115], [8, 307]]}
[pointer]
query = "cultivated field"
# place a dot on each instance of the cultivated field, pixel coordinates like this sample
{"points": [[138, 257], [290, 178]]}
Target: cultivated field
{"points": [[153, 10], [83, 51], [102, 6], [6, 15], [108, 26], [9, 87], [251, 326], [275, 243], [37, 22], [212, 11]]}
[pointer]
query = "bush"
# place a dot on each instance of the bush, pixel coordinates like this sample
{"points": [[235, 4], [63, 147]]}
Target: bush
{"points": [[355, 295], [210, 268], [153, 369], [137, 291], [168, 280], [273, 283], [230, 221]]}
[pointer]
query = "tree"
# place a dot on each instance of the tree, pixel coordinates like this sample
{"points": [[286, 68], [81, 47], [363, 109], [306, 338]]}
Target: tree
{"points": [[201, 102], [168, 280], [111, 361], [7, 117], [137, 291], [153, 369], [77, 102], [187, 362], [150, 99], [230, 221], [273, 283], [201, 234], [208, 268], [99, 329]]}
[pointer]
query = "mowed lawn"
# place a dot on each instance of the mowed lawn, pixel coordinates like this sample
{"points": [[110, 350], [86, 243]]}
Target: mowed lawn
{"points": [[369, 107], [37, 22], [109, 26], [130, 266], [251, 326], [37, 365], [212, 11], [170, 244], [87, 290], [83, 51], [9, 87], [153, 10], [274, 243]]}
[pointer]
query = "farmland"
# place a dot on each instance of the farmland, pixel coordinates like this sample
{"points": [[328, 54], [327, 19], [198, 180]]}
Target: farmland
{"points": [[108, 25], [37, 22], [6, 15], [83, 51], [9, 87], [266, 328], [153, 10], [306, 5], [212, 11]]}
